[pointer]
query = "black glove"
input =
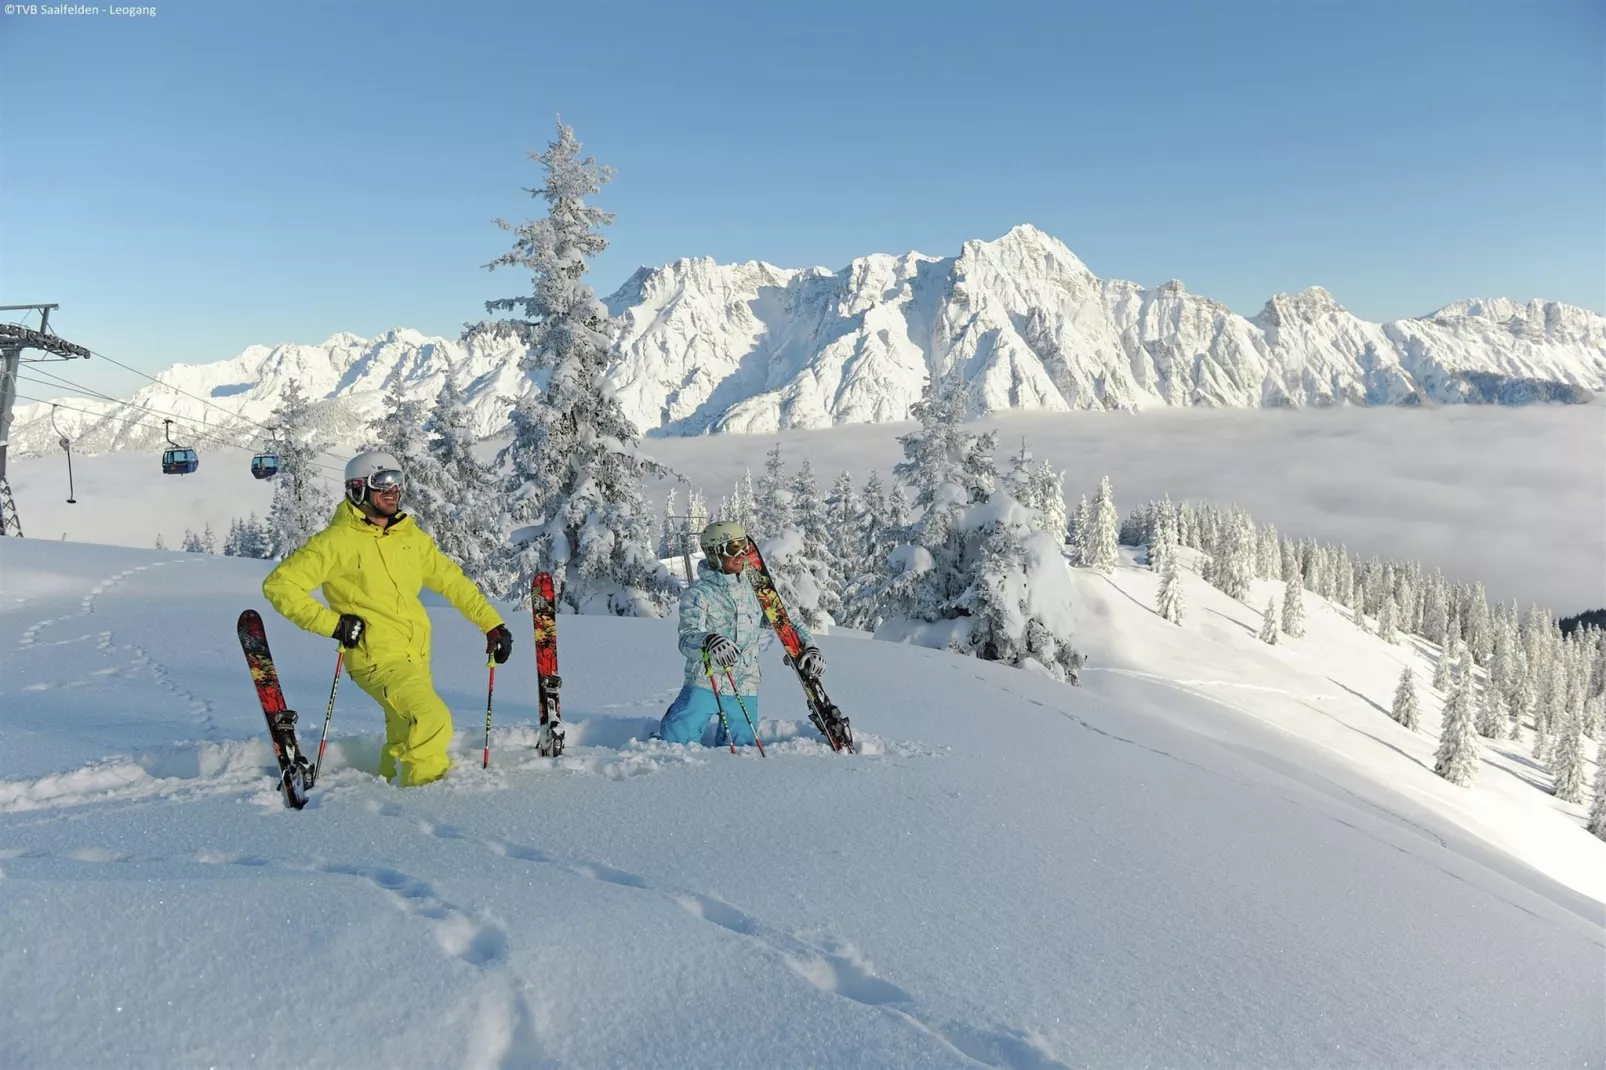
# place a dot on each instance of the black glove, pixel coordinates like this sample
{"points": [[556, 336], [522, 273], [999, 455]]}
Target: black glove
{"points": [[811, 663], [721, 651], [498, 643], [350, 630]]}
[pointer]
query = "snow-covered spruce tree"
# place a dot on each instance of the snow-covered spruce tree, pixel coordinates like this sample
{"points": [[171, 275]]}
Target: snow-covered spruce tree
{"points": [[191, 543], [799, 556], [1016, 608], [1597, 810], [1103, 537], [1457, 757], [742, 507], [669, 524], [1567, 756], [1268, 623], [1269, 554], [949, 469], [247, 537], [1017, 481], [160, 543], [1480, 635], [1386, 629], [1406, 710], [1233, 566], [1169, 601], [1491, 719], [466, 511], [1444, 668], [842, 524], [880, 517], [1081, 529], [1294, 605], [208, 540], [774, 502], [301, 507], [1358, 610], [575, 478], [1521, 695], [1048, 498]]}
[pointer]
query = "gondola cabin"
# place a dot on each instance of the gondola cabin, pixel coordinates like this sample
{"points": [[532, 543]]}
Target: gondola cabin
{"points": [[264, 466], [179, 461]]}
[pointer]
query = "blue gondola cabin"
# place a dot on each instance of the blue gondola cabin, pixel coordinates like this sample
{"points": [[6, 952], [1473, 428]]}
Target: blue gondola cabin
{"points": [[180, 461]]}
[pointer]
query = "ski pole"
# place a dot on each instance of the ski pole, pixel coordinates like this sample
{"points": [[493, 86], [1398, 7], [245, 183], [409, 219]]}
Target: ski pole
{"points": [[490, 692], [725, 724], [751, 726], [328, 715]]}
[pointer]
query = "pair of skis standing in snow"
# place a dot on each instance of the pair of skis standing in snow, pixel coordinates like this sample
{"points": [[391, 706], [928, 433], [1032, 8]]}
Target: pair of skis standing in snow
{"points": [[371, 562]]}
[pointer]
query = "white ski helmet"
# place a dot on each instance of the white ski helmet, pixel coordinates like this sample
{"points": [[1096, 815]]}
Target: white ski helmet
{"points": [[372, 470], [719, 535]]}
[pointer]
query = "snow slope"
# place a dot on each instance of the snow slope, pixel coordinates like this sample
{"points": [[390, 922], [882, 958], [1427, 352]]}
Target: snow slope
{"points": [[753, 347], [1209, 855]]}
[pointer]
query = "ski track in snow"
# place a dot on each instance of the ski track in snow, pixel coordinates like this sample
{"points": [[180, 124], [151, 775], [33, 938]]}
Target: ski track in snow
{"points": [[141, 660], [834, 967]]}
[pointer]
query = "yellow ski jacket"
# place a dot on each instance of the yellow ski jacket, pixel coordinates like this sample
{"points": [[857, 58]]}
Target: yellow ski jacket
{"points": [[375, 573]]}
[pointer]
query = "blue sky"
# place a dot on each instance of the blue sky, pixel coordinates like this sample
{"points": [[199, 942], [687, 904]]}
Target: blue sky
{"points": [[227, 174]]}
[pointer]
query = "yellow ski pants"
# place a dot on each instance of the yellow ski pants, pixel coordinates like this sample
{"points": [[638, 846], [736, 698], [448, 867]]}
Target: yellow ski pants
{"points": [[418, 726]]}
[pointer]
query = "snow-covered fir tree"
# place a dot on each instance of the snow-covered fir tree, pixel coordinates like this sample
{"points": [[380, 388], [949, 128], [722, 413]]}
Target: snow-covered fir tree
{"points": [[575, 473], [248, 537], [809, 569], [774, 502], [842, 523], [1269, 555], [1597, 809], [463, 496], [160, 543], [301, 506], [1457, 757], [1567, 756], [1294, 605], [1169, 601], [1491, 720], [1386, 629], [1082, 533], [1406, 710], [669, 524], [1268, 623], [1233, 564], [1102, 539], [208, 540], [1444, 667], [1048, 498], [191, 543], [1358, 610]]}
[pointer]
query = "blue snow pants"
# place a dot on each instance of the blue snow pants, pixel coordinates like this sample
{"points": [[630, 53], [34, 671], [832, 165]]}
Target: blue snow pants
{"points": [[688, 715]]}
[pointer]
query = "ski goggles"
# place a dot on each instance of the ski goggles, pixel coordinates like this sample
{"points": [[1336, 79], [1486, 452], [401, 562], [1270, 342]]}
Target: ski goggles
{"points": [[733, 548], [382, 481]]}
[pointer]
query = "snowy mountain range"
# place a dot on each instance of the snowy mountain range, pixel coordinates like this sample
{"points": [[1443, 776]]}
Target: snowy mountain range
{"points": [[709, 347]]}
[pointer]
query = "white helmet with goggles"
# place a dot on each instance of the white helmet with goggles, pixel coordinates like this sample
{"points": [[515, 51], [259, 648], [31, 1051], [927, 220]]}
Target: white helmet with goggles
{"points": [[373, 470]]}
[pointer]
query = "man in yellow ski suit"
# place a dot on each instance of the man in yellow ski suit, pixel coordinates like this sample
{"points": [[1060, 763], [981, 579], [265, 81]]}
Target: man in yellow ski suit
{"points": [[371, 562]]}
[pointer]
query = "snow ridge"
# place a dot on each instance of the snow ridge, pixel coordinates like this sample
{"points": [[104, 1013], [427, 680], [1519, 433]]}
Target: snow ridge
{"points": [[751, 347]]}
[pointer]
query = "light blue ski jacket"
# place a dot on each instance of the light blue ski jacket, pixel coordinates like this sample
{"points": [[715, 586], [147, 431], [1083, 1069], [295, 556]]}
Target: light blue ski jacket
{"points": [[723, 604]]}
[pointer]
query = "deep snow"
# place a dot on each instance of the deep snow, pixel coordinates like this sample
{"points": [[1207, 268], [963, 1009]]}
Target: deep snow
{"points": [[1212, 853]]}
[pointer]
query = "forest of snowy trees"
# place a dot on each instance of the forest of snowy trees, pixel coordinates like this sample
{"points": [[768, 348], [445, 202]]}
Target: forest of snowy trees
{"points": [[945, 550]]}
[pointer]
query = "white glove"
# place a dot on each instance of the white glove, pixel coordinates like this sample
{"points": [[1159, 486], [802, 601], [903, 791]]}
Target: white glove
{"points": [[811, 663], [721, 651]]}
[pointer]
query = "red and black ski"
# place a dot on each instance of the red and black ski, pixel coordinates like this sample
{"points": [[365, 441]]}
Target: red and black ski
{"points": [[295, 775], [548, 684], [825, 714]]}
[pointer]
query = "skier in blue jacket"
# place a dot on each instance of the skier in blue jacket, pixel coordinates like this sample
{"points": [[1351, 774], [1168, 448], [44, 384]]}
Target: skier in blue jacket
{"points": [[720, 614]]}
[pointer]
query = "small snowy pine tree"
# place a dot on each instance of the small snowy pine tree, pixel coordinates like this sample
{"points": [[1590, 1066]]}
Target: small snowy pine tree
{"points": [[1294, 604], [191, 543], [301, 506], [1082, 534], [1446, 664], [1406, 710], [1567, 756], [208, 540], [1103, 539], [1170, 602], [1597, 810], [1457, 757], [1268, 623]]}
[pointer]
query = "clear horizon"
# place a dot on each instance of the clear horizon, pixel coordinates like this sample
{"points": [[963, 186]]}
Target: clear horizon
{"points": [[212, 178]]}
